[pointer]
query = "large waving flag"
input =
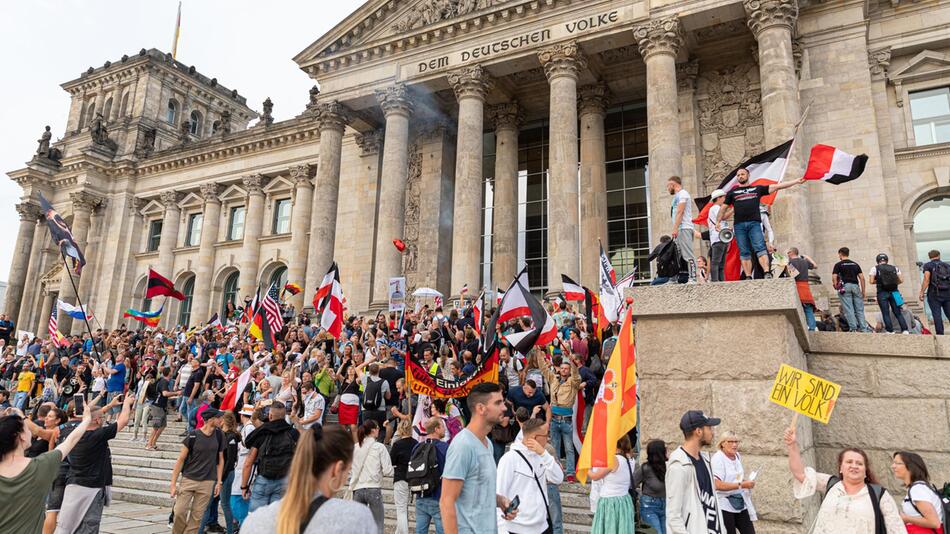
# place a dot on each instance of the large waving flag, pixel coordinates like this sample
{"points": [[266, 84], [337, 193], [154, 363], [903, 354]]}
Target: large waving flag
{"points": [[54, 332], [158, 285], [329, 302], [834, 166], [62, 235], [615, 410], [237, 387], [572, 290], [477, 313], [76, 312], [610, 299], [150, 319], [519, 302]]}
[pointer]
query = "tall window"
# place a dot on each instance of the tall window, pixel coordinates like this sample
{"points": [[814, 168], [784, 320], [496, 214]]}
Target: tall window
{"points": [[931, 231], [82, 117], [230, 293], [193, 237], [195, 123], [628, 217], [236, 223], [930, 111], [184, 314], [488, 203], [154, 235], [282, 216], [123, 109], [171, 112], [279, 278], [107, 109]]}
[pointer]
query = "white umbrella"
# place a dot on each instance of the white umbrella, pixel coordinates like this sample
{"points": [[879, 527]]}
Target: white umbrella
{"points": [[426, 292]]}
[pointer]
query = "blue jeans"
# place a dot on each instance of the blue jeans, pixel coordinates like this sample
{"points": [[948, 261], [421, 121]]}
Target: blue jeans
{"points": [[427, 510], [653, 511], [749, 238], [939, 305], [498, 450], [211, 514], [810, 316], [191, 414], [561, 430], [660, 280], [265, 491], [885, 299], [554, 508], [852, 306], [21, 400]]}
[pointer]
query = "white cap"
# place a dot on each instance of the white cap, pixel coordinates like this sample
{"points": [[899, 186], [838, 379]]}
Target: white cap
{"points": [[716, 194]]}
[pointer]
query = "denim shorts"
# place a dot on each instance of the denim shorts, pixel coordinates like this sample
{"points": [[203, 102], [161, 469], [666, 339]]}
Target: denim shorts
{"points": [[749, 238]]}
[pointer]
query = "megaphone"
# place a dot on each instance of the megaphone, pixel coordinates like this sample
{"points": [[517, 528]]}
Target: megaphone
{"points": [[726, 235]]}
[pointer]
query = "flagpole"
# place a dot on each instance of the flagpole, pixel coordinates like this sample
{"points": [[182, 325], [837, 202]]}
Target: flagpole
{"points": [[791, 148], [79, 302]]}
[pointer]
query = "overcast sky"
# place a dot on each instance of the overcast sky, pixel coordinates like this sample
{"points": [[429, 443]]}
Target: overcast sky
{"points": [[248, 45]]}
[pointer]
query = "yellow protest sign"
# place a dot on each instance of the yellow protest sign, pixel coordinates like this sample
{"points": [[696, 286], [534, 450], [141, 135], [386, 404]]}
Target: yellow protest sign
{"points": [[805, 393]]}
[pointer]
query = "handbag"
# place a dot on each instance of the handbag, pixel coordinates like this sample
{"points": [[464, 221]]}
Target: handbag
{"points": [[348, 494], [736, 501]]}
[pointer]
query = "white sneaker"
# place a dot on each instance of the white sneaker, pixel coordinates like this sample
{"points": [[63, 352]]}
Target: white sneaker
{"points": [[906, 332]]}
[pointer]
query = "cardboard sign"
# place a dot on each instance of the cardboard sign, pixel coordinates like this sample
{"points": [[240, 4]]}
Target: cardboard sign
{"points": [[805, 393], [397, 294]]}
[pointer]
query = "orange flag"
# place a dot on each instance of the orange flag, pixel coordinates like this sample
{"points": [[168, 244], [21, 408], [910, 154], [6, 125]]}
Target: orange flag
{"points": [[615, 410]]}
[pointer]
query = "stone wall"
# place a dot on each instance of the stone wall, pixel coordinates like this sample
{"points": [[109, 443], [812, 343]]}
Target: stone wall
{"points": [[717, 347]]}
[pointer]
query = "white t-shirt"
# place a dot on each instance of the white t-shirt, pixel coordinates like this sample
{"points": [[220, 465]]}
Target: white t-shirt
{"points": [[711, 219], [617, 483], [730, 471], [311, 406], [920, 492], [682, 197]]}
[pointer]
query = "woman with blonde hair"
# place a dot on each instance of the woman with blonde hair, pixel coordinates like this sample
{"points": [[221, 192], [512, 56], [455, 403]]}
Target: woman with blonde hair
{"points": [[399, 456], [320, 468], [733, 486]]}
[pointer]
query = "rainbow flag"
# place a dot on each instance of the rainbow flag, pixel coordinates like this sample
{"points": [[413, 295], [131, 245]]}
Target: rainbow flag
{"points": [[150, 319]]}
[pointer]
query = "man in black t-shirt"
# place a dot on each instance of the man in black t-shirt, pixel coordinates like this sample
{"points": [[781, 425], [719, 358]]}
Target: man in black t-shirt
{"points": [[157, 396], [744, 201], [690, 492], [201, 465], [848, 279], [936, 284]]}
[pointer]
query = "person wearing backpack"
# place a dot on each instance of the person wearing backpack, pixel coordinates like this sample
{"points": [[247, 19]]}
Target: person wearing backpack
{"points": [[424, 475], [271, 449], [854, 502], [400, 454], [375, 394], [201, 466], [370, 464], [887, 277], [924, 511], [936, 284]]}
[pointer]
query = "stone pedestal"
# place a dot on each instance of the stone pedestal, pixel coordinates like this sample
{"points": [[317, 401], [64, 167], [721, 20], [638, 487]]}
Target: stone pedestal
{"points": [[592, 108], [253, 227], [561, 64], [470, 85], [506, 119], [201, 305], [300, 233], [21, 259]]}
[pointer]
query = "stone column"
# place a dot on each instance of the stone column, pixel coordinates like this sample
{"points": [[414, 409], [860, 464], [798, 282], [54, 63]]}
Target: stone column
{"points": [[660, 41], [300, 230], [397, 108], [169, 238], [46, 308], [332, 118], [253, 227], [21, 258], [772, 23], [507, 119], [561, 63], [201, 305], [470, 85], [33, 272], [90, 250], [83, 204], [592, 109]]}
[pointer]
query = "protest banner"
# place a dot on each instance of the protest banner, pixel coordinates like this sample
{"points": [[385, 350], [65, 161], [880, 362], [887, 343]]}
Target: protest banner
{"points": [[804, 393], [397, 294], [421, 382]]}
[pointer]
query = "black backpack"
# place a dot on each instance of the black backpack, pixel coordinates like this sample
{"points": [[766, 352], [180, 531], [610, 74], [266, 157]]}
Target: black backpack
{"points": [[876, 491], [887, 278], [940, 277], [275, 454], [944, 497], [423, 472], [373, 396], [668, 261]]}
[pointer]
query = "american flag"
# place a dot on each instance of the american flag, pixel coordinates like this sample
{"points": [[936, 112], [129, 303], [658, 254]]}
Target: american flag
{"points": [[272, 309], [54, 334]]}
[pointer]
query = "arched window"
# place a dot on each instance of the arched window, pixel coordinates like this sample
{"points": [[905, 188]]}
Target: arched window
{"points": [[931, 231], [278, 278], [214, 126], [171, 114], [107, 109], [91, 113], [124, 108], [230, 294], [196, 123], [82, 117], [184, 314]]}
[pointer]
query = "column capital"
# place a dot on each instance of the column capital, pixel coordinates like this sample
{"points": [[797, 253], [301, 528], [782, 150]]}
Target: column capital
{"points": [[562, 59], [879, 61], [209, 192], [300, 175], [254, 183], [592, 99], [471, 82], [395, 100], [85, 200], [369, 142], [659, 36], [29, 211], [764, 14], [686, 74], [507, 116], [170, 199], [332, 116]]}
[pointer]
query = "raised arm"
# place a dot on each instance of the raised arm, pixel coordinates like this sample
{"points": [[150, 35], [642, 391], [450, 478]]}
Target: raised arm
{"points": [[73, 438], [785, 185], [795, 463]]}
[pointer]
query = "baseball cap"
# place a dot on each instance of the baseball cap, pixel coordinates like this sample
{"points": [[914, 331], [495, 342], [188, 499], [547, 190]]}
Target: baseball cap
{"points": [[247, 409], [716, 194], [211, 413], [694, 419]]}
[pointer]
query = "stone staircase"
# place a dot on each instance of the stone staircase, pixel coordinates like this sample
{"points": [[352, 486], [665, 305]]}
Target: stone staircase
{"points": [[142, 477]]}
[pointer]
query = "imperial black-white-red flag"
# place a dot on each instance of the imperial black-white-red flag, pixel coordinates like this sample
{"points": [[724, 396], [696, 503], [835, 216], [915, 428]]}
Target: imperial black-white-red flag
{"points": [[329, 302], [833, 165], [572, 290]]}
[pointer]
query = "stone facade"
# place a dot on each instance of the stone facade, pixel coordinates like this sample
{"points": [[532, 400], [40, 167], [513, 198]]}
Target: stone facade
{"points": [[392, 146]]}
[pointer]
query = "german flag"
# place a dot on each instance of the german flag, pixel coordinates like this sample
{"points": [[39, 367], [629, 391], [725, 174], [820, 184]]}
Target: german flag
{"points": [[158, 285], [293, 288]]}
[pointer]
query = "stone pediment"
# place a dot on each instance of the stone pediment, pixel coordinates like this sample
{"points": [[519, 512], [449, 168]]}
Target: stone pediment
{"points": [[925, 65], [52, 277]]}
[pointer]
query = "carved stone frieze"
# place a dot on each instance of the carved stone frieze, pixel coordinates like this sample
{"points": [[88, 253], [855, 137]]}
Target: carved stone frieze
{"points": [[562, 59], [619, 55], [879, 61], [764, 14], [413, 217], [472, 81], [430, 12], [659, 36]]}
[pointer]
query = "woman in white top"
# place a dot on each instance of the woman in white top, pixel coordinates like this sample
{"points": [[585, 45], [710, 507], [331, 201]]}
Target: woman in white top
{"points": [[371, 463], [249, 421], [22, 345], [922, 509], [525, 471], [847, 507], [614, 509], [733, 488], [318, 472]]}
